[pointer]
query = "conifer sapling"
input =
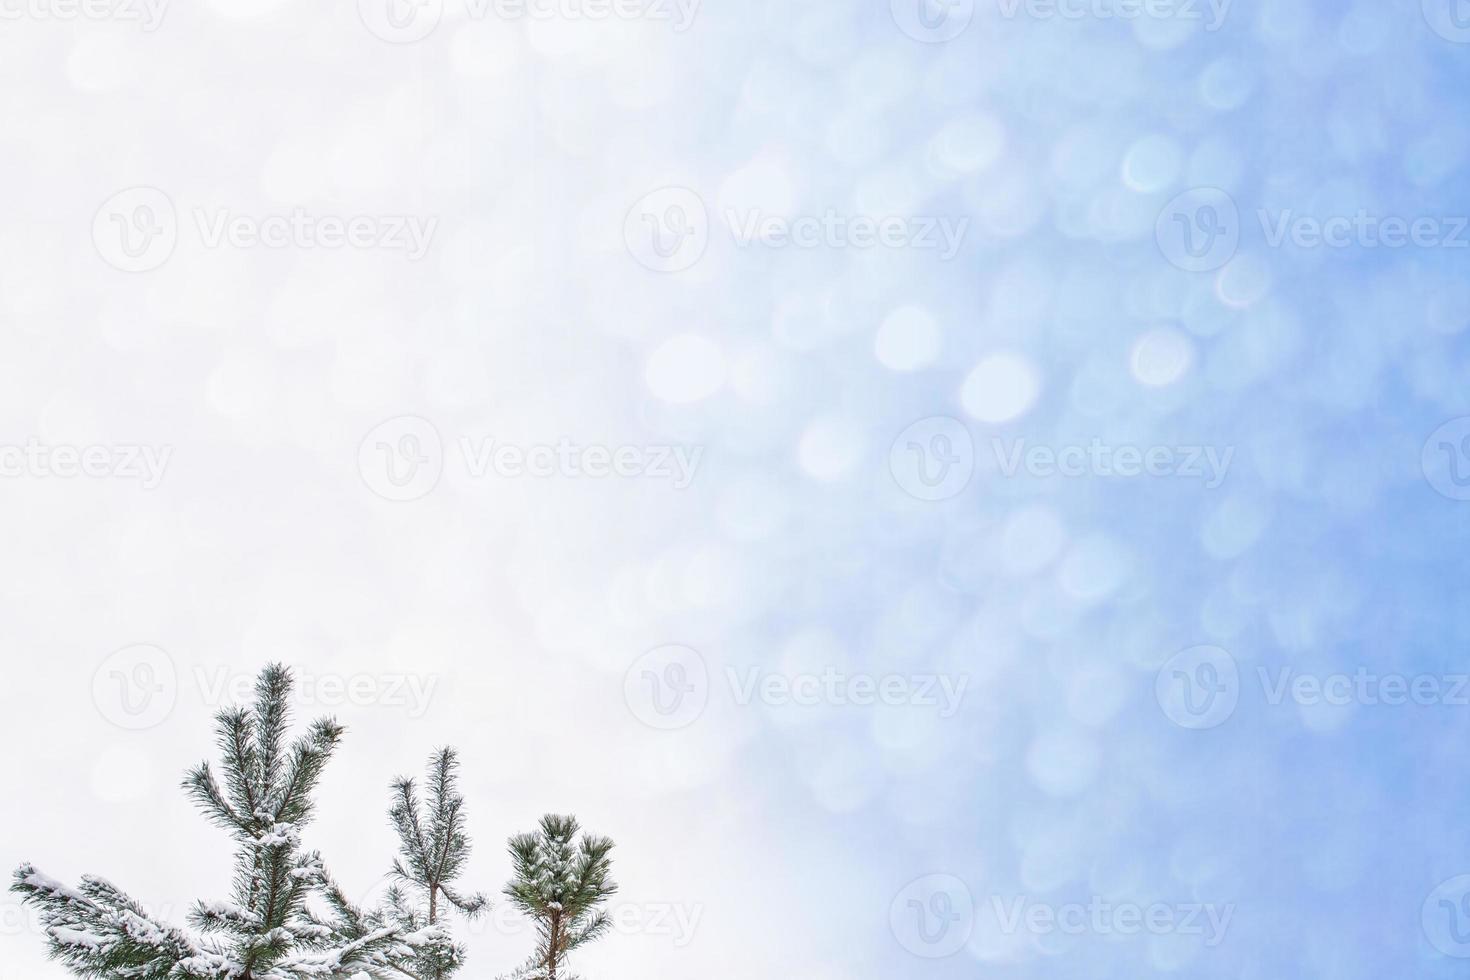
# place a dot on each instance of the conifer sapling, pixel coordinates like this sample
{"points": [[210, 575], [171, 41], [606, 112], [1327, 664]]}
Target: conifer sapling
{"points": [[265, 930], [562, 884], [268, 929], [433, 850]]}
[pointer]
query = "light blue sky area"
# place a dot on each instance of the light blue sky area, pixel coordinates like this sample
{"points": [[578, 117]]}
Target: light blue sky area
{"points": [[1072, 146]]}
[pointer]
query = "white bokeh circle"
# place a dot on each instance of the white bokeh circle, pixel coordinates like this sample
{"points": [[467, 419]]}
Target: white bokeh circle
{"points": [[1001, 387]]}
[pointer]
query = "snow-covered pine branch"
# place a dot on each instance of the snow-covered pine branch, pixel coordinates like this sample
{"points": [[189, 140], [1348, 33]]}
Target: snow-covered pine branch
{"points": [[433, 849], [269, 929], [562, 884], [265, 931]]}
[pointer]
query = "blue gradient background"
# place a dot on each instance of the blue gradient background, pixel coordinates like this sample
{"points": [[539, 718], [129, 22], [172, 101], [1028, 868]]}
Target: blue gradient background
{"points": [[1330, 546], [1325, 550]]}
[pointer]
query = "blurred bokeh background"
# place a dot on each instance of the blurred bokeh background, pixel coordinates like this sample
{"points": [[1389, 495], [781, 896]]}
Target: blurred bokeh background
{"points": [[1065, 576]]}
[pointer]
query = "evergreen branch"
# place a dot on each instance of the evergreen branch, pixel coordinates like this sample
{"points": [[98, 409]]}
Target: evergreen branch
{"points": [[236, 730], [350, 918], [269, 931], [96, 930], [309, 757], [561, 884], [200, 785], [222, 917], [404, 815], [586, 933], [470, 905], [272, 712], [445, 809]]}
